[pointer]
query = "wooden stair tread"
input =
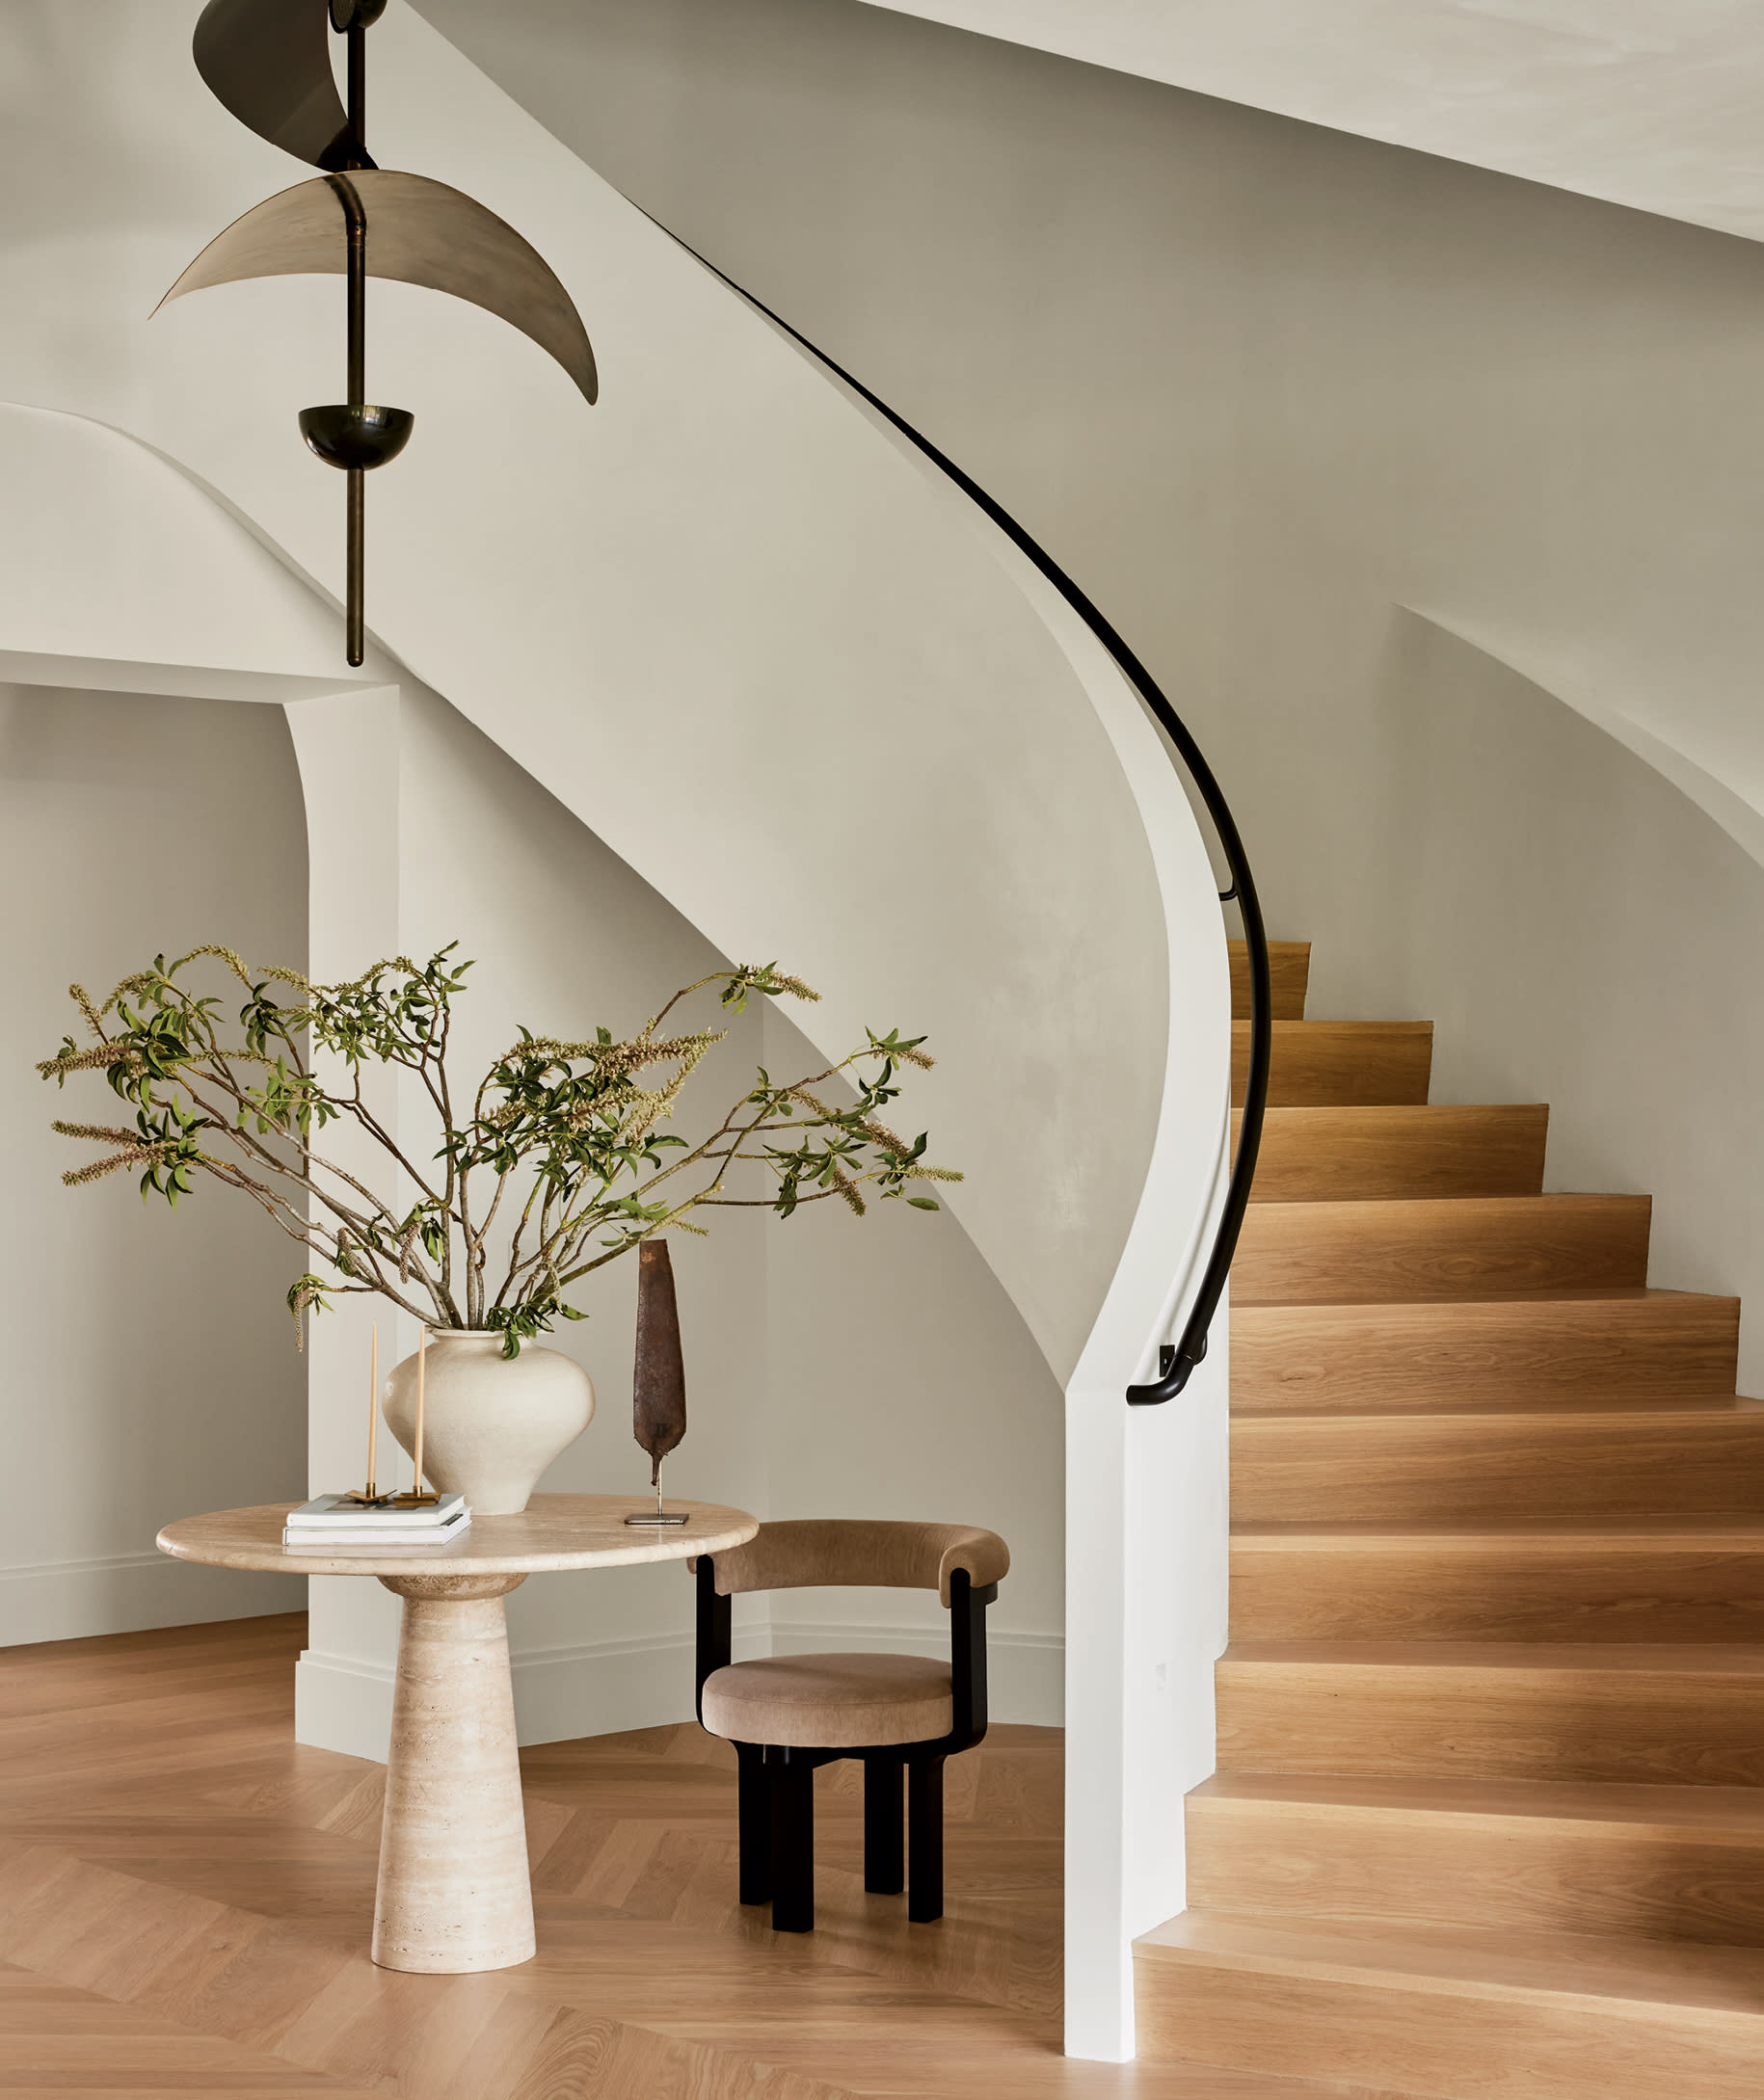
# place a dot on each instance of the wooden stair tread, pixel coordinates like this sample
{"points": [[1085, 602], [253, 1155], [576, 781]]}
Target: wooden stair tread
{"points": [[1637, 1861], [1340, 1063], [1669, 1409], [1666, 1809], [1288, 972], [1592, 1295], [1425, 1248], [1419, 1149], [1736, 1533], [1367, 1355], [1639, 1657], [1522, 1966], [1545, 1462]]}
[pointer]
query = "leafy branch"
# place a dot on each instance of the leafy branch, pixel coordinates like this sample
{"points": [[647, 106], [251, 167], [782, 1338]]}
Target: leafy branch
{"points": [[564, 1141]]}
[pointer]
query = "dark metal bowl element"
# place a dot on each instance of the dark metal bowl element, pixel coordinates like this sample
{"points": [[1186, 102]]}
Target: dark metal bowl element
{"points": [[349, 437], [347, 14]]}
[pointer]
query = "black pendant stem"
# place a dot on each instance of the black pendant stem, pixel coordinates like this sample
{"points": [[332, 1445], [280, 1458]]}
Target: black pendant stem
{"points": [[358, 87], [354, 616]]}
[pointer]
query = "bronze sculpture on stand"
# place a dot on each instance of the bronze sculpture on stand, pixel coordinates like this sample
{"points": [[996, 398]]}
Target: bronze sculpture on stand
{"points": [[659, 1382]]}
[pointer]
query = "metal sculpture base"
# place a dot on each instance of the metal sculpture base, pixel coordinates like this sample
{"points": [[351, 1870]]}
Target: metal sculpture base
{"points": [[656, 1516]]}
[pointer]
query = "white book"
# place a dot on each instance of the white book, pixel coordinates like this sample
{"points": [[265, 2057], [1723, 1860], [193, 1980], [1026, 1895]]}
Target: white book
{"points": [[335, 1514], [322, 1537]]}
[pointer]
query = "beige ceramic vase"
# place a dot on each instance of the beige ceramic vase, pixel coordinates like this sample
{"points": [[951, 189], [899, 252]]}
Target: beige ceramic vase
{"points": [[491, 1424]]}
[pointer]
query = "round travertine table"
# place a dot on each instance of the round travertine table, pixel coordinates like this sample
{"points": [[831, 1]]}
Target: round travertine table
{"points": [[454, 1891]]}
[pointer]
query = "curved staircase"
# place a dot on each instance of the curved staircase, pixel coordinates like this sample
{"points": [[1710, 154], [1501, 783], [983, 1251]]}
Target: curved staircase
{"points": [[1489, 1813]]}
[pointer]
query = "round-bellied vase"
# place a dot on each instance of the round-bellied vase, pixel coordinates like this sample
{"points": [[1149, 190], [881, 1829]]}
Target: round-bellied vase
{"points": [[491, 1424]]}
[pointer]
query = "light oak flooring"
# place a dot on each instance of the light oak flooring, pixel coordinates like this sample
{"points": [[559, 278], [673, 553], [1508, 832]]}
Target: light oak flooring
{"points": [[185, 1897]]}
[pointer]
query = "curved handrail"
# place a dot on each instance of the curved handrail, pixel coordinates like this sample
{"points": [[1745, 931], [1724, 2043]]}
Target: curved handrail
{"points": [[1176, 1360]]}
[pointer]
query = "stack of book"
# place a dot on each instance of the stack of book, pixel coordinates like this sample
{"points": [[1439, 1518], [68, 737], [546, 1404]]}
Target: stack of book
{"points": [[332, 1521]]}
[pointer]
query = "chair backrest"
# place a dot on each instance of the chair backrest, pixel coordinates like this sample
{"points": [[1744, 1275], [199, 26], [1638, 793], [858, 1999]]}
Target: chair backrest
{"points": [[853, 1553]]}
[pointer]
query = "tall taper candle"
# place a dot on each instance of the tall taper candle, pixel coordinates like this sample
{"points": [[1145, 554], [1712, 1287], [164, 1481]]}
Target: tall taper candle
{"points": [[373, 1405], [422, 1358]]}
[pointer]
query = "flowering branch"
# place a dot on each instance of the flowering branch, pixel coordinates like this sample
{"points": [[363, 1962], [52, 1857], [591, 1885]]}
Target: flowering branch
{"points": [[569, 1133]]}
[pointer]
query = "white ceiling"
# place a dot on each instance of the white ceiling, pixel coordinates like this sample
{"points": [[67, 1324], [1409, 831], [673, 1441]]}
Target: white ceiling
{"points": [[1656, 104]]}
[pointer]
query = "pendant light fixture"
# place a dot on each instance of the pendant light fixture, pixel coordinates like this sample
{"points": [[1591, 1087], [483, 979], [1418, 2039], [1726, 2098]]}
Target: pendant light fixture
{"points": [[269, 63]]}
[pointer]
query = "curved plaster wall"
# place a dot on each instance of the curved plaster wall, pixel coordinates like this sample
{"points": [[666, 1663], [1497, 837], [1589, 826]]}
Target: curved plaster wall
{"points": [[1261, 384], [932, 823]]}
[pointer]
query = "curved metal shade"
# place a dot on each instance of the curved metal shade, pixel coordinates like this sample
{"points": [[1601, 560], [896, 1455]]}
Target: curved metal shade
{"points": [[269, 63], [418, 231]]}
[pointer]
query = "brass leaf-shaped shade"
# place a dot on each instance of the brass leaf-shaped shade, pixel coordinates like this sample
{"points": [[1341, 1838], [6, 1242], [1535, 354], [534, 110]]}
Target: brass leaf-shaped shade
{"points": [[418, 231], [658, 1384], [269, 63]]}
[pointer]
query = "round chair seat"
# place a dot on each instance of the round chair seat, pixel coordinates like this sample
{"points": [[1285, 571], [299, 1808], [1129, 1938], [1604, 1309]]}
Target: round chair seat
{"points": [[830, 1702]]}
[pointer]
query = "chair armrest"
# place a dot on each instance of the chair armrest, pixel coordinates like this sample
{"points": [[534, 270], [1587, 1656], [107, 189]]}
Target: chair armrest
{"points": [[968, 1658]]}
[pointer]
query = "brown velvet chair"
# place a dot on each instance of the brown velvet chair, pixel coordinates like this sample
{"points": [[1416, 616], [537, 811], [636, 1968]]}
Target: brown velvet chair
{"points": [[902, 1714]]}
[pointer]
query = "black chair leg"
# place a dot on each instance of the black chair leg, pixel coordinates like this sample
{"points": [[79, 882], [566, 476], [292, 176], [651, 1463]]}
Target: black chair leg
{"points": [[884, 1824], [925, 1839], [792, 1815], [755, 1820]]}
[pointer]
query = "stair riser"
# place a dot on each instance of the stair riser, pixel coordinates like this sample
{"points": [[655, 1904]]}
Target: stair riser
{"points": [[1300, 1252], [1457, 1468], [1353, 1154], [1322, 1064], [1522, 1874], [1506, 1590], [1350, 1359], [1432, 2041], [1643, 1727], [1289, 971]]}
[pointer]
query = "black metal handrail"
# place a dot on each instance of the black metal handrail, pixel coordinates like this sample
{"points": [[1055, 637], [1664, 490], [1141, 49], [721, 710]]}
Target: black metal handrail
{"points": [[1176, 1360]]}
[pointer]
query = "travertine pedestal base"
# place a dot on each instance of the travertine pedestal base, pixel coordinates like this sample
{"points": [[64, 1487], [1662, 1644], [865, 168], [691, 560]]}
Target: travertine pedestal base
{"points": [[454, 1892]]}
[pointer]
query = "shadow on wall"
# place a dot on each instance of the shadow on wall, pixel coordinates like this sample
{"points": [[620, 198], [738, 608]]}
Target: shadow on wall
{"points": [[1583, 934]]}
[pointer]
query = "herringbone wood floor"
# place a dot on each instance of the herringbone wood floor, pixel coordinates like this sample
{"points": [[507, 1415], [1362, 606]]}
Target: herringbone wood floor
{"points": [[185, 1895]]}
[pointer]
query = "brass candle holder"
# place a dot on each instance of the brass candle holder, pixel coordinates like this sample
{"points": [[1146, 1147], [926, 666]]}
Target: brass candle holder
{"points": [[416, 1496], [371, 1497]]}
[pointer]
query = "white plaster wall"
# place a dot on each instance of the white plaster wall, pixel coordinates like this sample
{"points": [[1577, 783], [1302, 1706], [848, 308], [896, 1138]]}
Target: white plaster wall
{"points": [[835, 1366], [564, 936], [1648, 102], [902, 1383], [152, 1363], [1608, 967], [620, 597], [1259, 384]]}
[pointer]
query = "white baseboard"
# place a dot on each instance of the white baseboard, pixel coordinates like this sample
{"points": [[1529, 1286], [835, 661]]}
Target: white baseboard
{"points": [[127, 1593], [343, 1704], [604, 1688]]}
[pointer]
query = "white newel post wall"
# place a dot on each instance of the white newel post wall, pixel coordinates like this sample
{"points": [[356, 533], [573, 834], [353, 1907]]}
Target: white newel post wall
{"points": [[1148, 1522], [1147, 1488]]}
